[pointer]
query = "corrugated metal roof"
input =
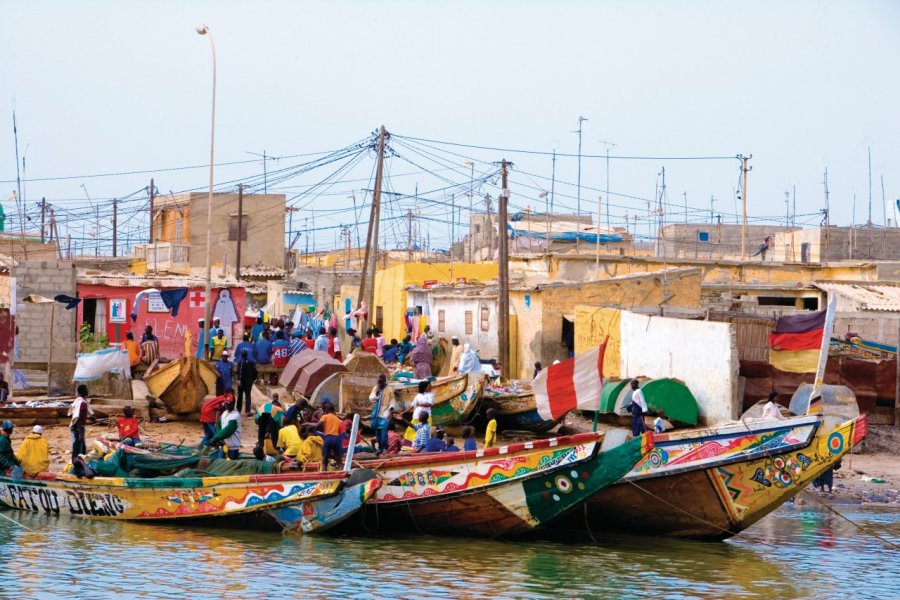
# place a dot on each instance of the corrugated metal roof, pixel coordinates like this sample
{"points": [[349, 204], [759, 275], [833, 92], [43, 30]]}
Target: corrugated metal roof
{"points": [[148, 281], [868, 296]]}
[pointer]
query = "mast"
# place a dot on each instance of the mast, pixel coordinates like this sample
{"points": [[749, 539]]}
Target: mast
{"points": [[503, 300]]}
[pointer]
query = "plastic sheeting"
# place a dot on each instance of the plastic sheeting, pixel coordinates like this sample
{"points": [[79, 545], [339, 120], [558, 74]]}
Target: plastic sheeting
{"points": [[93, 366], [564, 236]]}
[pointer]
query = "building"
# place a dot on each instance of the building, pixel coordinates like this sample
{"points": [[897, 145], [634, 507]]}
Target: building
{"points": [[828, 244], [179, 232], [712, 240]]}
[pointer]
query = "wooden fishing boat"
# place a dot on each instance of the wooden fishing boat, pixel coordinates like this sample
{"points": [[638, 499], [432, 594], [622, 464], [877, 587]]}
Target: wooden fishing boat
{"points": [[323, 514], [498, 492], [456, 398], [518, 411], [157, 499], [23, 415], [182, 384], [712, 484]]}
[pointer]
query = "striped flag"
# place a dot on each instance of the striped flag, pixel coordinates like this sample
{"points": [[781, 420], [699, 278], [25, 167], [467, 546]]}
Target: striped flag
{"points": [[570, 385], [796, 342]]}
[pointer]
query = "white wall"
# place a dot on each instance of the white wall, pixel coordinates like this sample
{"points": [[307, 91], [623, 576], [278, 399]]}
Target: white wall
{"points": [[702, 354], [485, 342]]}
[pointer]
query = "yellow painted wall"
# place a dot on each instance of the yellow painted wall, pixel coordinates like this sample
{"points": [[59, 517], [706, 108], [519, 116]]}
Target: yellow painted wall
{"points": [[592, 325], [165, 225]]}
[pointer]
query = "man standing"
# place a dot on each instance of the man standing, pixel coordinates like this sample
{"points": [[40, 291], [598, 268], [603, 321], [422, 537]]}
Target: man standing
{"points": [[247, 346], [264, 349], [322, 342], [229, 432], [638, 409], [455, 354], [257, 330], [217, 344], [370, 344], [134, 352], [209, 415], [224, 369], [281, 351], [81, 410], [201, 339], [246, 378]]}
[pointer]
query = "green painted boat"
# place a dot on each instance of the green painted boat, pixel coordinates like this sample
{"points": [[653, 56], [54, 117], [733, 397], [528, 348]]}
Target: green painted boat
{"points": [[671, 396], [456, 398], [609, 395]]}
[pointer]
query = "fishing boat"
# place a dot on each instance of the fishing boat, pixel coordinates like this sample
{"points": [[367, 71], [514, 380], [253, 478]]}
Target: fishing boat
{"points": [[211, 491], [182, 384], [516, 409], [714, 483], [498, 492], [456, 398]]}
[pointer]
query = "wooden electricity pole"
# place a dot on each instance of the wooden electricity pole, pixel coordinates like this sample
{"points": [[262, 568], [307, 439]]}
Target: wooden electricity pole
{"points": [[744, 169], [240, 230], [505, 367], [151, 209], [368, 293]]}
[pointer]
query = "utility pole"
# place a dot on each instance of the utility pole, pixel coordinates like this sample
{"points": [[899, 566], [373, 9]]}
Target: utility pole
{"points": [[794, 210], [553, 182], [409, 243], [608, 146], [372, 238], [685, 206], [787, 208], [883, 203], [97, 230], [869, 150], [306, 232], [152, 196], [490, 227], [115, 228], [43, 210], [578, 207], [471, 211], [597, 231], [744, 170], [712, 201], [240, 227], [503, 307], [827, 193]]}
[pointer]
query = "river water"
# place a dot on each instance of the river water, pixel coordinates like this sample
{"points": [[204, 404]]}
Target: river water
{"points": [[797, 552]]}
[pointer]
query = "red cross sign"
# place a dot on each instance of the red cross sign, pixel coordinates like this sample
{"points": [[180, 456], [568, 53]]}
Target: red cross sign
{"points": [[198, 299]]}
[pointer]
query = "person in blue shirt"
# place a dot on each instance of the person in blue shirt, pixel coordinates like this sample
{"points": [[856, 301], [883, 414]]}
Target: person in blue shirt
{"points": [[451, 444], [297, 343], [264, 350], [201, 339], [321, 341], [224, 369], [257, 329], [469, 442], [436, 442], [245, 345], [391, 352]]}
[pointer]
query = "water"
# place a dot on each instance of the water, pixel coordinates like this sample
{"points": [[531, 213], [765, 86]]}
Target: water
{"points": [[816, 554]]}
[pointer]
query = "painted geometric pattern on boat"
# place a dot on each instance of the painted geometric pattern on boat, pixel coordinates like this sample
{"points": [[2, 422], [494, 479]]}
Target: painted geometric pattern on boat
{"points": [[747, 487], [672, 454], [405, 484]]}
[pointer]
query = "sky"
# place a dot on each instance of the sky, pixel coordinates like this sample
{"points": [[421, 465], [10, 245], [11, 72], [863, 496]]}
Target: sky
{"points": [[123, 89]]}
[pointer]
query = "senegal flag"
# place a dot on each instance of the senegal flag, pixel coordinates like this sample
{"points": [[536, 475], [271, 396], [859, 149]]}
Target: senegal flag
{"points": [[797, 341]]}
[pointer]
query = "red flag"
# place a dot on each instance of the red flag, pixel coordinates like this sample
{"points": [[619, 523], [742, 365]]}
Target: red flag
{"points": [[570, 385]]}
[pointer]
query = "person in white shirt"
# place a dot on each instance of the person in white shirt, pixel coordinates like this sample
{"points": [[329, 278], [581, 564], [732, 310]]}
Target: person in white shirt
{"points": [[659, 424], [772, 410], [229, 431], [80, 411], [423, 401], [638, 408]]}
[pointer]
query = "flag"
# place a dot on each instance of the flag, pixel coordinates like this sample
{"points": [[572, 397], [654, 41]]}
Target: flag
{"points": [[570, 385], [796, 342]]}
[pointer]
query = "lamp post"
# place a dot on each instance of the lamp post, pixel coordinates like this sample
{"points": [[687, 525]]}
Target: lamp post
{"points": [[204, 30]]}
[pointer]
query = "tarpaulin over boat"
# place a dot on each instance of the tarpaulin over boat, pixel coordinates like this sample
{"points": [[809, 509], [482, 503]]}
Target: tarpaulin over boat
{"points": [[562, 236], [305, 371]]}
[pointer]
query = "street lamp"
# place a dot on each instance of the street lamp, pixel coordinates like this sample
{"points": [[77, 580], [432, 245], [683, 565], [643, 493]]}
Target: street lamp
{"points": [[204, 30]]}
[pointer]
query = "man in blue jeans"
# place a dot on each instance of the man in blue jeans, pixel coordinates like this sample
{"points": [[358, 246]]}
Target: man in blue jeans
{"points": [[381, 411]]}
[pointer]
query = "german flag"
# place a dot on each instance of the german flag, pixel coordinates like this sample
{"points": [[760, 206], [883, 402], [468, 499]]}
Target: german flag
{"points": [[796, 342]]}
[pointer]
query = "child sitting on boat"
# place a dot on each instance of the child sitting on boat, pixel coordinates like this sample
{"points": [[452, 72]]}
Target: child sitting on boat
{"points": [[128, 428]]}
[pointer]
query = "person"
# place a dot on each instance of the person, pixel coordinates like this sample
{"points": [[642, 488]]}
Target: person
{"points": [[293, 411], [259, 454], [269, 418], [289, 439], [381, 397], [209, 415], [537, 369], [134, 351], [217, 344], [490, 432], [772, 411], [297, 344], [405, 348], [423, 401], [34, 453], [423, 434], [468, 362], [334, 345], [659, 423], [391, 352], [826, 480], [8, 458], [246, 378], [229, 432], [395, 440], [436, 441], [225, 369], [149, 346], [310, 446], [421, 359], [427, 333], [322, 342], [347, 430], [216, 327], [81, 410], [4, 387], [469, 442], [127, 424], [638, 409], [370, 344], [201, 338], [245, 346], [281, 351], [264, 349], [379, 342], [569, 342], [355, 342], [455, 354], [451, 444], [330, 426], [309, 341], [257, 330], [763, 248], [148, 335]]}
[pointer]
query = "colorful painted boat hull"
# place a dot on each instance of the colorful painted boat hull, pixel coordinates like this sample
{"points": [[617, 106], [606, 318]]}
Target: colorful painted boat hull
{"points": [[499, 492], [716, 499], [456, 398], [165, 498], [321, 515], [518, 412]]}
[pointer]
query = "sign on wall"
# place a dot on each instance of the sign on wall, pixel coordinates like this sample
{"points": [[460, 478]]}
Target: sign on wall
{"points": [[117, 311], [155, 303]]}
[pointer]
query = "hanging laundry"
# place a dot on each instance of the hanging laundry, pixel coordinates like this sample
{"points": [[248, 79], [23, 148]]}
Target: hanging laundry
{"points": [[173, 298], [138, 298], [69, 301]]}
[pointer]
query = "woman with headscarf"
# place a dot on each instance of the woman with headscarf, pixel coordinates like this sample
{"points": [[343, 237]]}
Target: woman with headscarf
{"points": [[420, 358], [468, 362]]}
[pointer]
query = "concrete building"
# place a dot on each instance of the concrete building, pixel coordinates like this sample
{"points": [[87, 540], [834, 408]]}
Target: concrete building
{"points": [[179, 226], [872, 311], [828, 244], [711, 240]]}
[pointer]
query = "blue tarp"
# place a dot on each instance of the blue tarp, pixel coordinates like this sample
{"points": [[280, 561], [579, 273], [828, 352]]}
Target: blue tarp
{"points": [[566, 236]]}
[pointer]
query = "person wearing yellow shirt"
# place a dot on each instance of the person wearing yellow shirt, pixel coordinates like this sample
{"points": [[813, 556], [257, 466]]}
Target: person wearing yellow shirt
{"points": [[310, 446], [34, 453], [490, 434], [289, 439]]}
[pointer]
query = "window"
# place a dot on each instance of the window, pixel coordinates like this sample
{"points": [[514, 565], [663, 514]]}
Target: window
{"points": [[703, 236], [485, 323], [379, 318], [468, 322], [179, 230], [441, 323], [233, 227]]}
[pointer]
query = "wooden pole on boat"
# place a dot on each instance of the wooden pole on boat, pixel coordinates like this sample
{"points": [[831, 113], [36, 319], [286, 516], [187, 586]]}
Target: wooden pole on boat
{"points": [[354, 431], [504, 272], [372, 236]]}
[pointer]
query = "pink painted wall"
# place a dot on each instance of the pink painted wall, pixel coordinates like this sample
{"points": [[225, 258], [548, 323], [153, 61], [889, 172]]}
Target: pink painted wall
{"points": [[170, 330]]}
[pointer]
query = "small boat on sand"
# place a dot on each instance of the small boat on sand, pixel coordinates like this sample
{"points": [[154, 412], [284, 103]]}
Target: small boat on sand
{"points": [[456, 398], [516, 409], [182, 384]]}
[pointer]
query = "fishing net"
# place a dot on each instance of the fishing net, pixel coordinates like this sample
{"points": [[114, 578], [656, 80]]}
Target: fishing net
{"points": [[220, 467]]}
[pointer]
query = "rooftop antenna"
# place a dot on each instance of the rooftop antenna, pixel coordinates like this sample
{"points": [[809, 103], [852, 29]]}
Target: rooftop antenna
{"points": [[787, 208], [869, 151], [827, 207], [265, 158], [794, 211], [609, 145], [883, 202], [578, 207]]}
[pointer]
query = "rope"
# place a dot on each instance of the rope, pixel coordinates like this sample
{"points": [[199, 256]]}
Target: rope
{"points": [[17, 523], [587, 524]]}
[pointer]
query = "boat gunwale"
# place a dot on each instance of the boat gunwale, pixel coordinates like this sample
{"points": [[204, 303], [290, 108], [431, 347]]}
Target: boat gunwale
{"points": [[122, 482]]}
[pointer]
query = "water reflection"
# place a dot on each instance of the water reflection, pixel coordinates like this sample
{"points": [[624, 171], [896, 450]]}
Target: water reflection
{"points": [[796, 552]]}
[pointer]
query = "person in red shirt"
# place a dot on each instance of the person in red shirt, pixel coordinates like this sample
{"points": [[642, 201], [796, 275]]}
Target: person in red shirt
{"points": [[370, 344], [346, 429], [209, 414], [308, 340], [128, 428]]}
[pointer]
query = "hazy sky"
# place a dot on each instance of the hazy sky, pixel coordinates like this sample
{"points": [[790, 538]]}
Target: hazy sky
{"points": [[113, 87]]}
